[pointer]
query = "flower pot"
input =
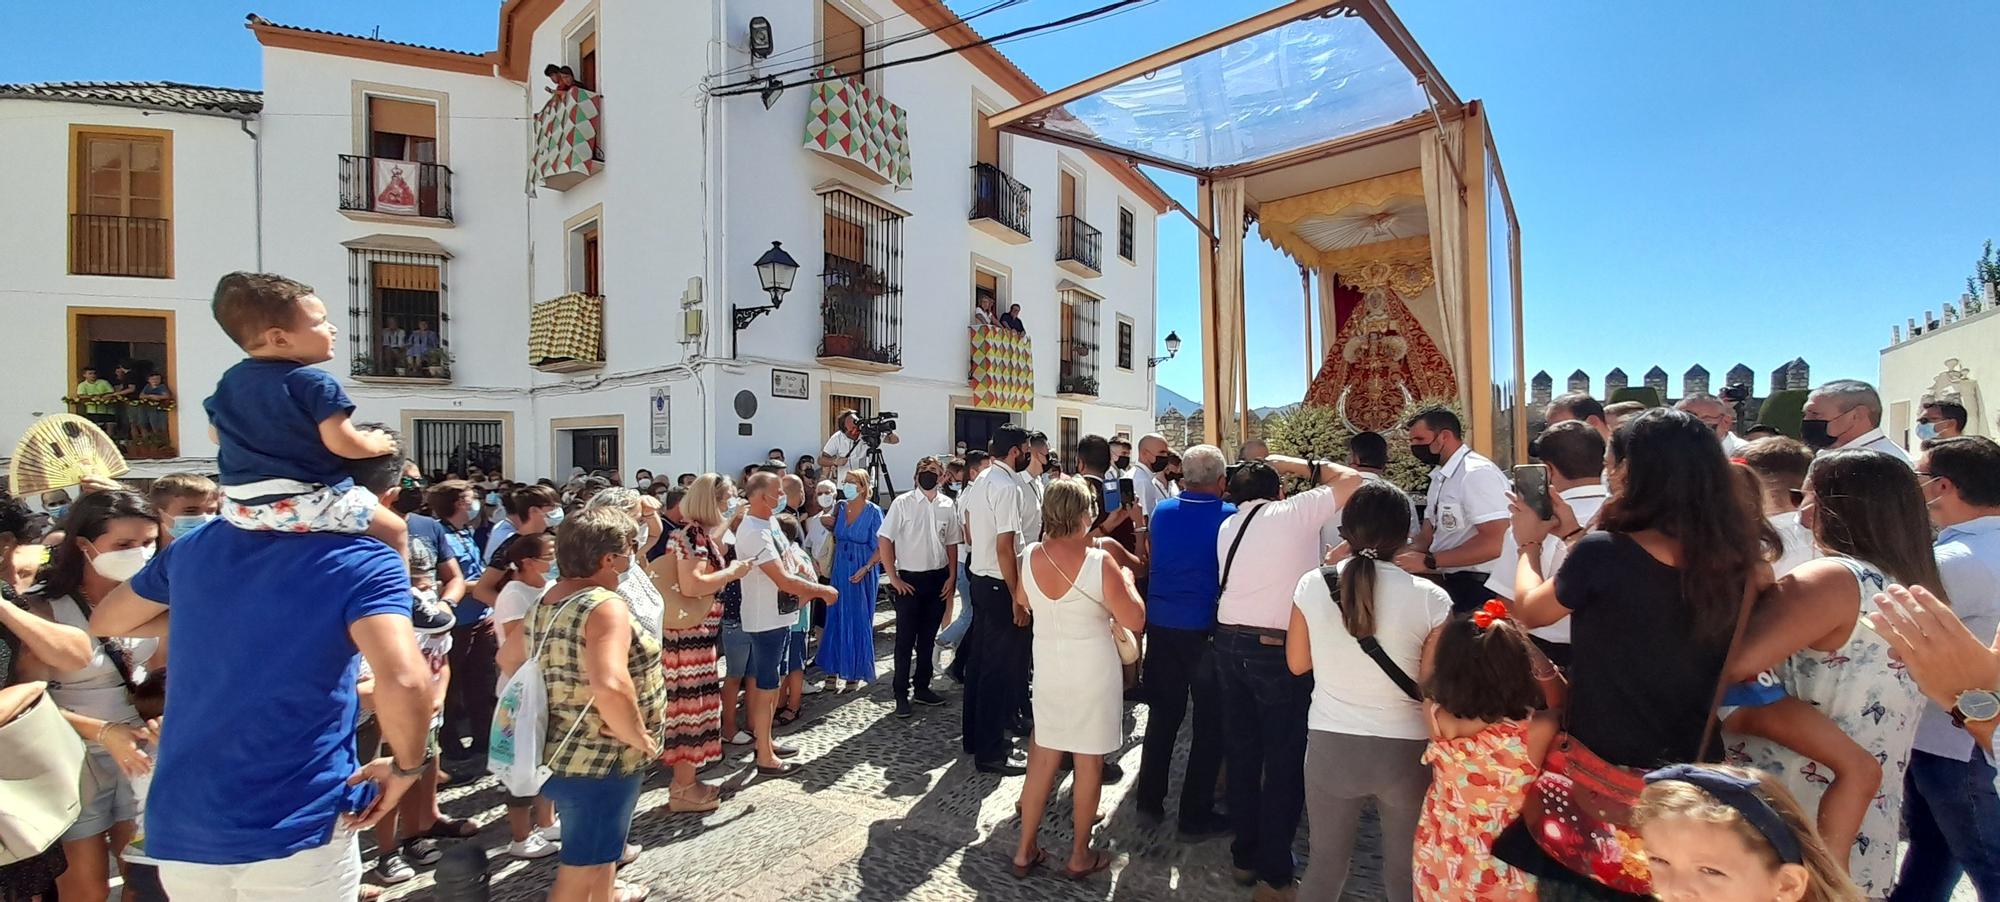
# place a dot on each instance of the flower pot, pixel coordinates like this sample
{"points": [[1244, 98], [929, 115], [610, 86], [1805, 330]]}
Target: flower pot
{"points": [[841, 345]]}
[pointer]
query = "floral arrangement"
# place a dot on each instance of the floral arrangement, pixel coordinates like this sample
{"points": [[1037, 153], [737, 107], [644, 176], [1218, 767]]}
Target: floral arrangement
{"points": [[1319, 431]]}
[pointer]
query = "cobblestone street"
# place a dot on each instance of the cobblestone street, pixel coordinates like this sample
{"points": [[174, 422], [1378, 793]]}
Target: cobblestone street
{"points": [[884, 809]]}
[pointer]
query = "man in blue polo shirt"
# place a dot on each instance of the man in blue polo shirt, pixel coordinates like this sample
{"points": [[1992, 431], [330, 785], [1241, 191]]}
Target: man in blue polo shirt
{"points": [[475, 644], [1181, 596], [256, 792]]}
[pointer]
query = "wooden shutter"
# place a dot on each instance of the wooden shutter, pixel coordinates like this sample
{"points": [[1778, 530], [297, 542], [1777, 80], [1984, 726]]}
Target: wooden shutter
{"points": [[988, 140], [586, 61], [843, 41]]}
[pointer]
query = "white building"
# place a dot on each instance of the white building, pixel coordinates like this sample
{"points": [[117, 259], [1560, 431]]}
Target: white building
{"points": [[647, 205], [1944, 358], [128, 200]]}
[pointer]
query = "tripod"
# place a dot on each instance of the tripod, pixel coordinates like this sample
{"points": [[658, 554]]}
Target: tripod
{"points": [[878, 475]]}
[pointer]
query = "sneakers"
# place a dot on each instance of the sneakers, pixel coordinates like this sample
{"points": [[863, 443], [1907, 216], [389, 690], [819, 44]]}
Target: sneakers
{"points": [[428, 615], [422, 852], [552, 832], [535, 846], [391, 869], [927, 697]]}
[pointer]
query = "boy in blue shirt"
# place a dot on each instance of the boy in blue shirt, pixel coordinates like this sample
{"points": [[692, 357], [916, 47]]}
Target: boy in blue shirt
{"points": [[282, 424]]}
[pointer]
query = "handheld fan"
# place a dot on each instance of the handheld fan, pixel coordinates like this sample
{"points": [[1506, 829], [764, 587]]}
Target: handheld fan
{"points": [[59, 451]]}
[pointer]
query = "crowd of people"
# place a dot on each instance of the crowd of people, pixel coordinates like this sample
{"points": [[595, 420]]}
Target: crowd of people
{"points": [[1664, 660]]}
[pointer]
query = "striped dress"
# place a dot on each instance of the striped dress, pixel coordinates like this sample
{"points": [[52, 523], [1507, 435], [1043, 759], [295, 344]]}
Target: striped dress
{"points": [[688, 658]]}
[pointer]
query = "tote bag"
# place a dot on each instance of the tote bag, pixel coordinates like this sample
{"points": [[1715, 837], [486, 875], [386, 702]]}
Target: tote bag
{"points": [[41, 758], [521, 721]]}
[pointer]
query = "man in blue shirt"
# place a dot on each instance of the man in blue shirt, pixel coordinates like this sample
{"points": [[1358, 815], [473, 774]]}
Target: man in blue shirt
{"points": [[1950, 812], [475, 645], [1181, 595], [256, 792]]}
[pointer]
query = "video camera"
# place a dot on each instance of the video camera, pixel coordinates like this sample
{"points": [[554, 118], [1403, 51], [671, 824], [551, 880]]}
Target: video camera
{"points": [[1736, 393], [873, 428]]}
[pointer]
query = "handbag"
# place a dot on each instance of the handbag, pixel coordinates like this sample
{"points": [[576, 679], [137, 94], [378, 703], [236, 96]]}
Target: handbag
{"points": [[1372, 646], [1579, 809], [681, 611], [40, 758]]}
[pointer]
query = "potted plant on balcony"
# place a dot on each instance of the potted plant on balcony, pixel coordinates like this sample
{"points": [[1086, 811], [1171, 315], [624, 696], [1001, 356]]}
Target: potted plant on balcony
{"points": [[1076, 385], [363, 365], [437, 364]]}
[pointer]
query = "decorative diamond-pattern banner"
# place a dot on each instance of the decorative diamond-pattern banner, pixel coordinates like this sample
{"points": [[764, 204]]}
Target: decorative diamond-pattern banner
{"points": [[566, 150], [1003, 369], [566, 332], [846, 119]]}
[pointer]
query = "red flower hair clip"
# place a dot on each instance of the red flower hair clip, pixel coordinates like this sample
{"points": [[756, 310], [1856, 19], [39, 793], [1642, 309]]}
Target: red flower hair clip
{"points": [[1490, 613]]}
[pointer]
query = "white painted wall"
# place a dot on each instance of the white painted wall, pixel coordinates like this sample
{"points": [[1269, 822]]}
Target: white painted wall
{"points": [[1909, 369], [214, 232]]}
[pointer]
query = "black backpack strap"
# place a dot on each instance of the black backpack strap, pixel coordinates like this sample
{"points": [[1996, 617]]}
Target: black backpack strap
{"points": [[1229, 562], [1370, 645]]}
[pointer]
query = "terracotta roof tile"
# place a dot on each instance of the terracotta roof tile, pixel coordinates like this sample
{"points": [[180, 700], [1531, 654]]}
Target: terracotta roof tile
{"points": [[256, 21], [163, 95]]}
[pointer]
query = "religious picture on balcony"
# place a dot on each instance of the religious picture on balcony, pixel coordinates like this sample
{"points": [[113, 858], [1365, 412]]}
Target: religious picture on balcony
{"points": [[395, 187]]}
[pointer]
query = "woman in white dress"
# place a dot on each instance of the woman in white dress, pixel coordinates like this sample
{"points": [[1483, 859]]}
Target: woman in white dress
{"points": [[1076, 594]]}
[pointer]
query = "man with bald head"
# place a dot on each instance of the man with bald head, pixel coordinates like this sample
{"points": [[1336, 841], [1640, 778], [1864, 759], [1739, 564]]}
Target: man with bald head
{"points": [[1846, 413], [1149, 479], [794, 487]]}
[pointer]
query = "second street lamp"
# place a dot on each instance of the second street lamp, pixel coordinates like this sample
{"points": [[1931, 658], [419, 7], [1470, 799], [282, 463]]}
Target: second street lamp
{"points": [[775, 272], [1173, 347]]}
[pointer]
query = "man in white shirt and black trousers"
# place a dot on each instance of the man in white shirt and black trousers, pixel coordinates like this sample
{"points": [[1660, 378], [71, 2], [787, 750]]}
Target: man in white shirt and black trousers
{"points": [[1465, 511], [1264, 548], [845, 449], [1574, 453], [998, 527], [919, 553]]}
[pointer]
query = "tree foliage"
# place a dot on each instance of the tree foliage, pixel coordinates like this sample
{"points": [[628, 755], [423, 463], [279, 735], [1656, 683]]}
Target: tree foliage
{"points": [[1318, 432]]}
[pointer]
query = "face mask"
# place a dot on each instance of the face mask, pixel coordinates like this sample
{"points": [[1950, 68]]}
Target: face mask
{"points": [[784, 504], [1815, 434], [848, 490], [1926, 431], [56, 513], [825, 501], [186, 523], [1425, 455], [119, 566], [472, 510], [645, 482], [553, 517], [927, 481], [1158, 465], [492, 499], [1125, 462]]}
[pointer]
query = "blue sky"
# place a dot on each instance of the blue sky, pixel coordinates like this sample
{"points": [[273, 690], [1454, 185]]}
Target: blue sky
{"points": [[1695, 183]]}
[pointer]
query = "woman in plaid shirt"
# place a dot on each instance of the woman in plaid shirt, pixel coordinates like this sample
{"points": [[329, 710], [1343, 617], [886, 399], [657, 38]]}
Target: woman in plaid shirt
{"points": [[607, 702]]}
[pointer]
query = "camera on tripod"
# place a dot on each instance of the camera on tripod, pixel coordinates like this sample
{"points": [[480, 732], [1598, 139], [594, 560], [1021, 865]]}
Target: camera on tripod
{"points": [[1736, 393], [873, 428]]}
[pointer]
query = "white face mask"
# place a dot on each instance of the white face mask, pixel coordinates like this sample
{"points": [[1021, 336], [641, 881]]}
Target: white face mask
{"points": [[121, 565], [825, 501], [645, 482]]}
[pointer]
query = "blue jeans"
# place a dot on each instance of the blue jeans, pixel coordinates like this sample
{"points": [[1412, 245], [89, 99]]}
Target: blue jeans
{"points": [[1953, 821], [596, 814], [1264, 745], [735, 650], [767, 657], [962, 620]]}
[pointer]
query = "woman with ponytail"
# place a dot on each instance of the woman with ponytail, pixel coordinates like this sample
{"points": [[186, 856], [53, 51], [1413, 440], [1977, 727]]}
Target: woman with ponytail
{"points": [[1360, 628]]}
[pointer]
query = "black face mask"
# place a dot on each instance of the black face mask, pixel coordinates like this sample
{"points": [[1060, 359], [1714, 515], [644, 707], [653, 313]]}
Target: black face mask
{"points": [[1815, 434], [1159, 464], [1425, 455], [927, 481], [1125, 462]]}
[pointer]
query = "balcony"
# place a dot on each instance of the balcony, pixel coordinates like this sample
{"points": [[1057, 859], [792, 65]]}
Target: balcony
{"points": [[1079, 247], [120, 246], [999, 204], [861, 318], [850, 124], [1003, 369], [378, 189], [567, 146], [566, 334]]}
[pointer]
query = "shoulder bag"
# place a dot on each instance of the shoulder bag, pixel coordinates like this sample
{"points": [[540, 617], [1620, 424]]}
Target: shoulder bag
{"points": [[1371, 645], [1229, 561], [1579, 810], [682, 612], [40, 757]]}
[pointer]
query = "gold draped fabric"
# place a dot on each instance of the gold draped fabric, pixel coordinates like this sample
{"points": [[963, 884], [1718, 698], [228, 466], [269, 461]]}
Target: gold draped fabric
{"points": [[566, 332], [1278, 220]]}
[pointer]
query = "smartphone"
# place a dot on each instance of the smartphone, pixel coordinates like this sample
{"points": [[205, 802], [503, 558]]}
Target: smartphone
{"points": [[1531, 482], [1125, 488]]}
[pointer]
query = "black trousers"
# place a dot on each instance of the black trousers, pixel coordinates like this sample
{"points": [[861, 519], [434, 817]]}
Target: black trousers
{"points": [[1467, 589], [917, 617], [1265, 725], [469, 698], [996, 678], [1180, 663]]}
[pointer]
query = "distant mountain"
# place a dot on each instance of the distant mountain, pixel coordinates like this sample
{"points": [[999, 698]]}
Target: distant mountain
{"points": [[1164, 397], [1263, 412]]}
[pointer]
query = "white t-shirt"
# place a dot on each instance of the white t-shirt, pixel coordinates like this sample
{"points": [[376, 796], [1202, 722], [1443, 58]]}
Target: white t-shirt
{"points": [[1799, 547], [1351, 695], [1283, 543], [760, 542], [1585, 501], [853, 451], [515, 601], [1467, 492], [1150, 488]]}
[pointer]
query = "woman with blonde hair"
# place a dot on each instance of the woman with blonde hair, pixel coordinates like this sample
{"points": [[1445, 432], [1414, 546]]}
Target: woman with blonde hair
{"points": [[1077, 594], [694, 561], [847, 648]]}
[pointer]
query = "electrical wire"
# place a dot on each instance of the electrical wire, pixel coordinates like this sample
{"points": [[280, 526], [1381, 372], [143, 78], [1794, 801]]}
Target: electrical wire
{"points": [[762, 83], [814, 46]]}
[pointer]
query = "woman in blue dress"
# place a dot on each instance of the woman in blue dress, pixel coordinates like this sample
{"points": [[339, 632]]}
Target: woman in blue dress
{"points": [[847, 647]]}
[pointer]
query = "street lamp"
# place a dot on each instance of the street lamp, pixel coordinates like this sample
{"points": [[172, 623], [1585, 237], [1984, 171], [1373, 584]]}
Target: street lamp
{"points": [[1173, 347], [775, 272]]}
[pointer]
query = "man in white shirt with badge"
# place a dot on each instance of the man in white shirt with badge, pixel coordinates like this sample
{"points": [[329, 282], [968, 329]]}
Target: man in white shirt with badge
{"points": [[1148, 478], [1465, 511], [919, 552], [845, 449], [1574, 454], [996, 674], [1846, 413]]}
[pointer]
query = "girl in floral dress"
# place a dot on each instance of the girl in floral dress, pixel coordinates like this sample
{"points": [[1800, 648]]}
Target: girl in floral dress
{"points": [[1487, 743]]}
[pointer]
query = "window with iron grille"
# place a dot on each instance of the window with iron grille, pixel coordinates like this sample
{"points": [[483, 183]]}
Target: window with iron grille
{"points": [[1069, 435], [456, 446], [1128, 231], [397, 314], [1078, 347], [1124, 343], [861, 298]]}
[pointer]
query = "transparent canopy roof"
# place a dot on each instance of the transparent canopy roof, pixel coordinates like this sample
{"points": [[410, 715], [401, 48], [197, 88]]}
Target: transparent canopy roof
{"points": [[1293, 86]]}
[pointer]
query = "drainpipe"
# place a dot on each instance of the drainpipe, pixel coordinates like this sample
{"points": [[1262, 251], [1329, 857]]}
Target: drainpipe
{"points": [[257, 155]]}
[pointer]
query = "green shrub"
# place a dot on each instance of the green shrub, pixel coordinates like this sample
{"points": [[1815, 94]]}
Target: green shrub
{"points": [[1643, 394], [1783, 410], [1318, 432]]}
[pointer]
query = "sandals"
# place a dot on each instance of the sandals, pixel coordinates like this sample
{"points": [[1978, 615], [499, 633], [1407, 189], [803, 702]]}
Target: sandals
{"points": [[1100, 861], [692, 800], [785, 717], [630, 892], [1021, 870], [784, 769], [450, 828]]}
